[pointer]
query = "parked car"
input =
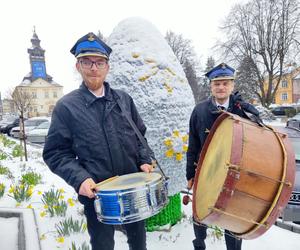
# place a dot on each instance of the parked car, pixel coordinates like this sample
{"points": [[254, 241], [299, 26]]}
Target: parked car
{"points": [[292, 210], [6, 120], [29, 124], [284, 110], [39, 133], [6, 129], [294, 121]]}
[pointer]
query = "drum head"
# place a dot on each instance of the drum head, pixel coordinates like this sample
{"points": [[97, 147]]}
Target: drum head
{"points": [[129, 181], [213, 171]]}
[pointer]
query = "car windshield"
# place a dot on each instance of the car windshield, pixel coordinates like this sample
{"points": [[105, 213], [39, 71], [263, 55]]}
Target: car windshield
{"points": [[43, 125], [31, 123], [297, 117], [296, 146]]}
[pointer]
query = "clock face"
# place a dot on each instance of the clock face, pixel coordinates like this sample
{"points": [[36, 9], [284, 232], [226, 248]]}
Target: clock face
{"points": [[38, 69]]}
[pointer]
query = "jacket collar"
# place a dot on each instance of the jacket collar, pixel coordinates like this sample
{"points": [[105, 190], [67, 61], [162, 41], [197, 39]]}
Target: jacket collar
{"points": [[212, 107], [90, 98]]}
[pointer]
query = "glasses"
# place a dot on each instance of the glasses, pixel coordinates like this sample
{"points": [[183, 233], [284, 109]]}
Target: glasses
{"points": [[88, 64]]}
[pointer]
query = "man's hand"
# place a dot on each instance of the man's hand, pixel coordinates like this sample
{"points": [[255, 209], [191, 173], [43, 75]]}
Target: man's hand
{"points": [[146, 168], [87, 187], [190, 184]]}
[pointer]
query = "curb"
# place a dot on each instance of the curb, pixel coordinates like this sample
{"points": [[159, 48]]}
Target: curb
{"points": [[288, 225], [28, 238]]}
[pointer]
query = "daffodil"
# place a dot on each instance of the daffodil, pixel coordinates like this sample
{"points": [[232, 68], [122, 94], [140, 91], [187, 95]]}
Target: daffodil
{"points": [[43, 237], [29, 206], [43, 213], [71, 202], [60, 239]]}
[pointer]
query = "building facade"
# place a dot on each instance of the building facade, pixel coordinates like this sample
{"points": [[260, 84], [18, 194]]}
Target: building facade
{"points": [[289, 87], [41, 91]]}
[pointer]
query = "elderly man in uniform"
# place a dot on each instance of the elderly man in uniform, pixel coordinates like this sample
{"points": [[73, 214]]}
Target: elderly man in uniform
{"points": [[203, 116], [90, 140]]}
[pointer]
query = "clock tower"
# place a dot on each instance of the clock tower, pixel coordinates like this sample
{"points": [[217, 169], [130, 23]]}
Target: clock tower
{"points": [[37, 59]]}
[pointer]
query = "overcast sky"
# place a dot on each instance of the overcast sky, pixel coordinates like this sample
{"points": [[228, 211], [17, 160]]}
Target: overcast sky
{"points": [[59, 23]]}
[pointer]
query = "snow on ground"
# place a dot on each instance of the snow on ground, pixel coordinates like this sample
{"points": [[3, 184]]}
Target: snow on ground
{"points": [[11, 225], [177, 237]]}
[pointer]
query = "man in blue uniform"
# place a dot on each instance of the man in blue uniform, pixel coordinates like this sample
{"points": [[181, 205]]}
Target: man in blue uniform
{"points": [[90, 140], [203, 116]]}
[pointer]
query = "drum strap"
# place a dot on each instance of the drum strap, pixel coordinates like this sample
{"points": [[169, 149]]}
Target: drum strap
{"points": [[141, 137]]}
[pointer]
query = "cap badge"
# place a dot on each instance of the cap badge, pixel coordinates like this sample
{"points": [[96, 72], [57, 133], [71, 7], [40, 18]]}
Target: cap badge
{"points": [[91, 37]]}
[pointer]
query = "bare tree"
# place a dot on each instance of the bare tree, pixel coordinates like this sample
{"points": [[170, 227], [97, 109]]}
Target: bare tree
{"points": [[185, 53], [264, 31], [22, 101]]}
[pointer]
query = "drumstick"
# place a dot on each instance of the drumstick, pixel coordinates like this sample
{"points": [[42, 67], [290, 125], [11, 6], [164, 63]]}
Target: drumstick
{"points": [[107, 180]]}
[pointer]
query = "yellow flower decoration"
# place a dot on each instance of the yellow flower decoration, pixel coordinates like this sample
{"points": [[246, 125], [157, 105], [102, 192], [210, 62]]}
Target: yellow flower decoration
{"points": [[18, 204], [46, 206], [39, 192], [168, 87], [61, 190], [169, 153], [61, 197], [135, 54], [185, 138], [29, 206], [178, 156], [176, 133], [168, 142], [176, 145], [60, 239]]}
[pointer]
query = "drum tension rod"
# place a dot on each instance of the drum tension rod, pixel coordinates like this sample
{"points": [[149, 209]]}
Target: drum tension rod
{"points": [[266, 225], [238, 169]]}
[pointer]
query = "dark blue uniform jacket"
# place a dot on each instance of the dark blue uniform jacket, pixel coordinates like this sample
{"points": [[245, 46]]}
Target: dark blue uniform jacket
{"points": [[202, 119], [89, 137]]}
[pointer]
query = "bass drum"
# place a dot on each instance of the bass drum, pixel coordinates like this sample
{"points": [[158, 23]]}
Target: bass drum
{"points": [[244, 176]]}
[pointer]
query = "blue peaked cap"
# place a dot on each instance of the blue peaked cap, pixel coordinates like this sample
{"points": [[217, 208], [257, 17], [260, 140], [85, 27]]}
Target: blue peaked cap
{"points": [[221, 72], [91, 45]]}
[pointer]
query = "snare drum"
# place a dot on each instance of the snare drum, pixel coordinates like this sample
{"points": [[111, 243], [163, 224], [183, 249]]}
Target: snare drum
{"points": [[130, 198]]}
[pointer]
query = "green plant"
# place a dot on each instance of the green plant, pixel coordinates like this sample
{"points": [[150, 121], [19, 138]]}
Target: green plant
{"points": [[31, 178], [2, 189], [6, 142], [84, 246], [3, 156], [17, 151], [69, 226], [216, 233], [21, 192], [53, 203], [4, 170]]}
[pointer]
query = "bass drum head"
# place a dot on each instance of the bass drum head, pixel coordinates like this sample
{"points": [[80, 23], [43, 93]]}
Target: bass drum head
{"points": [[213, 172], [129, 181]]}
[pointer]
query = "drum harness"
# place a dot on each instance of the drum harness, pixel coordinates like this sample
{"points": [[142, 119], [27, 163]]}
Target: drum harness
{"points": [[154, 162]]}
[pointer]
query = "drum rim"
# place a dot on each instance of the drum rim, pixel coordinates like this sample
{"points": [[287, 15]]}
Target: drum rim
{"points": [[158, 178]]}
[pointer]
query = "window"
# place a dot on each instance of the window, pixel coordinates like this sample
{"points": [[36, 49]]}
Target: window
{"points": [[33, 95], [284, 84], [284, 96], [46, 94], [54, 94]]}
